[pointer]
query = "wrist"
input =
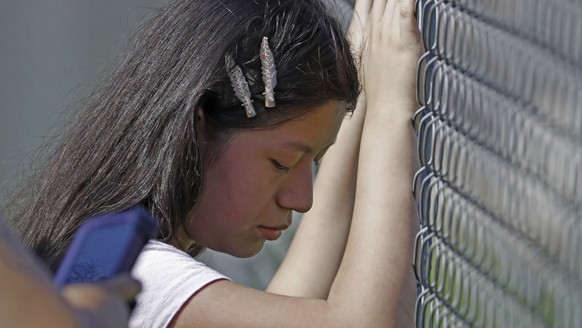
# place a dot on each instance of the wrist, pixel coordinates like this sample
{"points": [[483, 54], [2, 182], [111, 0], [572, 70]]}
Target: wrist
{"points": [[394, 109]]}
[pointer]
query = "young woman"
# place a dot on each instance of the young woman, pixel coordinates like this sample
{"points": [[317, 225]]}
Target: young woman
{"points": [[213, 121]]}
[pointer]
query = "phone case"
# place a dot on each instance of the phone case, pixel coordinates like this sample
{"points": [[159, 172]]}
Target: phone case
{"points": [[105, 246]]}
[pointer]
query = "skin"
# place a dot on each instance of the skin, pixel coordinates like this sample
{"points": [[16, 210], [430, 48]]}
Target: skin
{"points": [[350, 263], [263, 176], [29, 299]]}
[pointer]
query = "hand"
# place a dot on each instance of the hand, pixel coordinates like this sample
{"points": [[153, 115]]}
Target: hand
{"points": [[356, 30], [104, 304], [391, 48]]}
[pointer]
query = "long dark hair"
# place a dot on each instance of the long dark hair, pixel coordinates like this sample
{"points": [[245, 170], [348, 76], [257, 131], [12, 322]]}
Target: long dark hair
{"points": [[135, 141]]}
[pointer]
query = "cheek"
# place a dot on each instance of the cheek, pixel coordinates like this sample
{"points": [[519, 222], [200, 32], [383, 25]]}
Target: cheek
{"points": [[237, 187]]}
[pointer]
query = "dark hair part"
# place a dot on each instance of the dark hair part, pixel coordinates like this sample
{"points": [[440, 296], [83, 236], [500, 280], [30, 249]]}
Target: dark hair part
{"points": [[136, 142]]}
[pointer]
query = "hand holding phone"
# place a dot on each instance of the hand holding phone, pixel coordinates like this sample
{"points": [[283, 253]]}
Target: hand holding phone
{"points": [[105, 246]]}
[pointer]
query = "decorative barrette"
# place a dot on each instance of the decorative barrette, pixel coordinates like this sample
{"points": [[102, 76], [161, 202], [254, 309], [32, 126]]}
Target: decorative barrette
{"points": [[269, 71], [239, 85]]}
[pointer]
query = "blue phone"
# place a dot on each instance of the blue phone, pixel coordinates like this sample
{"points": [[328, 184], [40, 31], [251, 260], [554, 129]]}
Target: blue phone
{"points": [[105, 246]]}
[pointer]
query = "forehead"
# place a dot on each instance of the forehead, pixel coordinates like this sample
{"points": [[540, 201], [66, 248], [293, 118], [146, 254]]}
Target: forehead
{"points": [[310, 133]]}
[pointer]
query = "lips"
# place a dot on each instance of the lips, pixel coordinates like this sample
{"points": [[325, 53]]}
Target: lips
{"points": [[272, 232]]}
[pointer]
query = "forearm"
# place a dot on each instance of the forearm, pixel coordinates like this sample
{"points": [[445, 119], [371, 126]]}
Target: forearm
{"points": [[379, 248], [374, 285], [318, 246]]}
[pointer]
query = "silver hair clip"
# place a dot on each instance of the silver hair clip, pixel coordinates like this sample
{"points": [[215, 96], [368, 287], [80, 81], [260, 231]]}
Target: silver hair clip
{"points": [[269, 71], [239, 85]]}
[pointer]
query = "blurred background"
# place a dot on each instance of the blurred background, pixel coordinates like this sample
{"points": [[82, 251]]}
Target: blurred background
{"points": [[53, 53]]}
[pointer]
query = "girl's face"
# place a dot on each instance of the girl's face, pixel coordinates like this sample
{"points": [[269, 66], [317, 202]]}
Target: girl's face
{"points": [[258, 179]]}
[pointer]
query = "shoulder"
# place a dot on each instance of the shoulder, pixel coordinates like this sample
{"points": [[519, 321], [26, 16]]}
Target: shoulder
{"points": [[163, 265], [169, 278]]}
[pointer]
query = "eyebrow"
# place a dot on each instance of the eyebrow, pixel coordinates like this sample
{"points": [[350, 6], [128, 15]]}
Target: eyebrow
{"points": [[298, 146], [303, 147]]}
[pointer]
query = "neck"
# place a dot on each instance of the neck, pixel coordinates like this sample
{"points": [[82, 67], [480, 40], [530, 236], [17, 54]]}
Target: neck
{"points": [[181, 239]]}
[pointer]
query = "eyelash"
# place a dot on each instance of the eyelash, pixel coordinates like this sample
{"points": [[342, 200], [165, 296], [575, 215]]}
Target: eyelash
{"points": [[279, 167], [282, 168]]}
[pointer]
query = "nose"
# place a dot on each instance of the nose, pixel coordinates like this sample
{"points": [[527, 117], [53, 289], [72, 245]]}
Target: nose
{"points": [[296, 193]]}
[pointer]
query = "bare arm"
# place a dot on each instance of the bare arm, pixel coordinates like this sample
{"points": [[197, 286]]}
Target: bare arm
{"points": [[366, 281], [317, 249], [381, 235], [315, 254]]}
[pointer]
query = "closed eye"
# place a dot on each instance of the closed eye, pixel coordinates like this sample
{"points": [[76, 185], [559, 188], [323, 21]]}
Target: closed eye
{"points": [[279, 167]]}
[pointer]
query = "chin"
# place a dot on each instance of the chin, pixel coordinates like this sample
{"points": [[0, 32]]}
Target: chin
{"points": [[247, 250]]}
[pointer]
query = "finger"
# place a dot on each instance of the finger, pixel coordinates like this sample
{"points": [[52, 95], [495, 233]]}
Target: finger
{"points": [[406, 11], [90, 297], [393, 12], [362, 9], [357, 29], [123, 285], [97, 305], [408, 26], [360, 15], [378, 8]]}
